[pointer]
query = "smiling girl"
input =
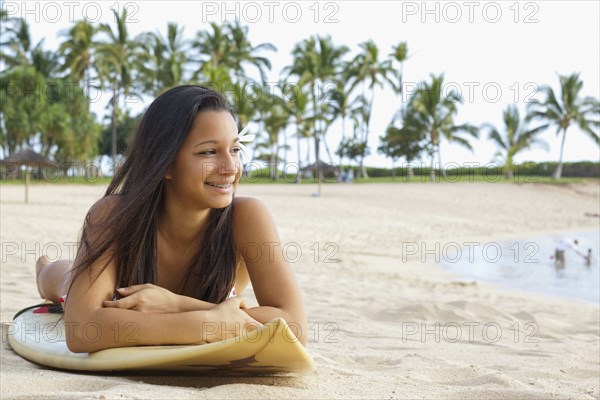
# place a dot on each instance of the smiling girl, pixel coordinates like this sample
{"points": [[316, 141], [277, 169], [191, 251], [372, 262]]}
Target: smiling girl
{"points": [[169, 244]]}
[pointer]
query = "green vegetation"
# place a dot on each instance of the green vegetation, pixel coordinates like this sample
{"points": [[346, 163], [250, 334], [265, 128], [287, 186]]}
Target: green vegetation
{"points": [[522, 173], [45, 98], [568, 109]]}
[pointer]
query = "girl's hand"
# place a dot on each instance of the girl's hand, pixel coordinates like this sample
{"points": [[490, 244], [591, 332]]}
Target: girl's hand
{"points": [[146, 298], [228, 320]]}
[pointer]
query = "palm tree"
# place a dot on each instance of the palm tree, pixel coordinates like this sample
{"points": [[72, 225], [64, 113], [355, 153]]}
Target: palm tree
{"points": [[117, 58], [434, 115], [359, 114], [162, 64], [5, 28], [68, 124], [245, 106], [275, 119], [19, 51], [515, 138], [353, 147], [340, 107], [315, 61], [176, 48], [78, 51], [366, 68], [568, 109], [297, 107], [215, 54], [18, 44], [45, 62], [399, 55], [405, 141], [22, 111], [151, 63], [243, 52]]}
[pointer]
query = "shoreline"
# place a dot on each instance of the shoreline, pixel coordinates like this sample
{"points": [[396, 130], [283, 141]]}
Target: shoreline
{"points": [[572, 232]]}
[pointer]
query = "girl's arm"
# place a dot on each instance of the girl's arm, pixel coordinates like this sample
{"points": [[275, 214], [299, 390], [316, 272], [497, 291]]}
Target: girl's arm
{"points": [[150, 298], [272, 278], [155, 299], [90, 327]]}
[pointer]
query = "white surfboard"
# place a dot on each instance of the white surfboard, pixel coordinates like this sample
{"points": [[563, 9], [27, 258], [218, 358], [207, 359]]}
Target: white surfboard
{"points": [[272, 348]]}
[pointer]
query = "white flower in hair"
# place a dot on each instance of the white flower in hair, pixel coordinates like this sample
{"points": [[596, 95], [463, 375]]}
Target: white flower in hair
{"points": [[245, 138]]}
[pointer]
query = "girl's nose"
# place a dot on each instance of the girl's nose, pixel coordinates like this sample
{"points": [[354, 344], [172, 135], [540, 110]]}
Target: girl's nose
{"points": [[229, 164]]}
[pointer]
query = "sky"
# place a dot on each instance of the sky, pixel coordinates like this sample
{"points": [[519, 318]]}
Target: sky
{"points": [[493, 53]]}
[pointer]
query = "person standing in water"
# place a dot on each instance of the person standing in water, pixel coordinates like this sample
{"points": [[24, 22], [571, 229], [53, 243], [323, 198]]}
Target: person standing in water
{"points": [[563, 246]]}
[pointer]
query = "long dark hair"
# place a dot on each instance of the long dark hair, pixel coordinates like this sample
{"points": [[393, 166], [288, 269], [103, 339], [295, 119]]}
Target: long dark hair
{"points": [[129, 231]]}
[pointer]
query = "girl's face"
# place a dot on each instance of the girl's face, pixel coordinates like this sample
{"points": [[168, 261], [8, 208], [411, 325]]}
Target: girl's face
{"points": [[208, 166]]}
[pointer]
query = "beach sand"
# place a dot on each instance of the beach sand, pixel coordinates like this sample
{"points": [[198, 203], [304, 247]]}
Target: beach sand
{"points": [[383, 324]]}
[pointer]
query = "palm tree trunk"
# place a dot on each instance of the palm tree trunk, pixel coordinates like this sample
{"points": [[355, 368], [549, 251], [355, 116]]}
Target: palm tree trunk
{"points": [[318, 165], [508, 172], [114, 128], [558, 172], [273, 166], [400, 92], [328, 150], [442, 170], [363, 168], [87, 79], [285, 149], [431, 170], [432, 154], [299, 174], [308, 151], [341, 168], [410, 173], [318, 160]]}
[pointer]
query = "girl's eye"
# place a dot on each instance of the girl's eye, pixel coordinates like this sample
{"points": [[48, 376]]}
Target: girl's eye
{"points": [[235, 150]]}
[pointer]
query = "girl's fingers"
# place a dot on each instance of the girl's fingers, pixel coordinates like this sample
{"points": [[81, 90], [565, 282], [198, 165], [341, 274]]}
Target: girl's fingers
{"points": [[135, 288], [125, 303], [126, 291]]}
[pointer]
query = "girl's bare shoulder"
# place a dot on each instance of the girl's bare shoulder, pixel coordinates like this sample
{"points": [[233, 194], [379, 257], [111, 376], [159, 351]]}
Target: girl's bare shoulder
{"points": [[249, 215], [247, 207]]}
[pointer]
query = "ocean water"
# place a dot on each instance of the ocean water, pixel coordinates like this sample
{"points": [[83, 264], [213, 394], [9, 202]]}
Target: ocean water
{"points": [[528, 265]]}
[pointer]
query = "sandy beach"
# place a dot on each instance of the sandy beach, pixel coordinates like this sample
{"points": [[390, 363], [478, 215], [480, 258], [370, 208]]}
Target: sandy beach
{"points": [[385, 322]]}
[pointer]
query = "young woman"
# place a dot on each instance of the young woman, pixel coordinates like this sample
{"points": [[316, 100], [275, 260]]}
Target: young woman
{"points": [[162, 254]]}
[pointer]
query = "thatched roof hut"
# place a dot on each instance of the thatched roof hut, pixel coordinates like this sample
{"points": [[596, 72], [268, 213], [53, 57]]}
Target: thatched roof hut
{"points": [[28, 158], [325, 167]]}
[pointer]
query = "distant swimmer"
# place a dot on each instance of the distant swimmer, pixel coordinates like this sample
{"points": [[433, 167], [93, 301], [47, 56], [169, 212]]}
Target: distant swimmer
{"points": [[564, 245], [588, 258]]}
